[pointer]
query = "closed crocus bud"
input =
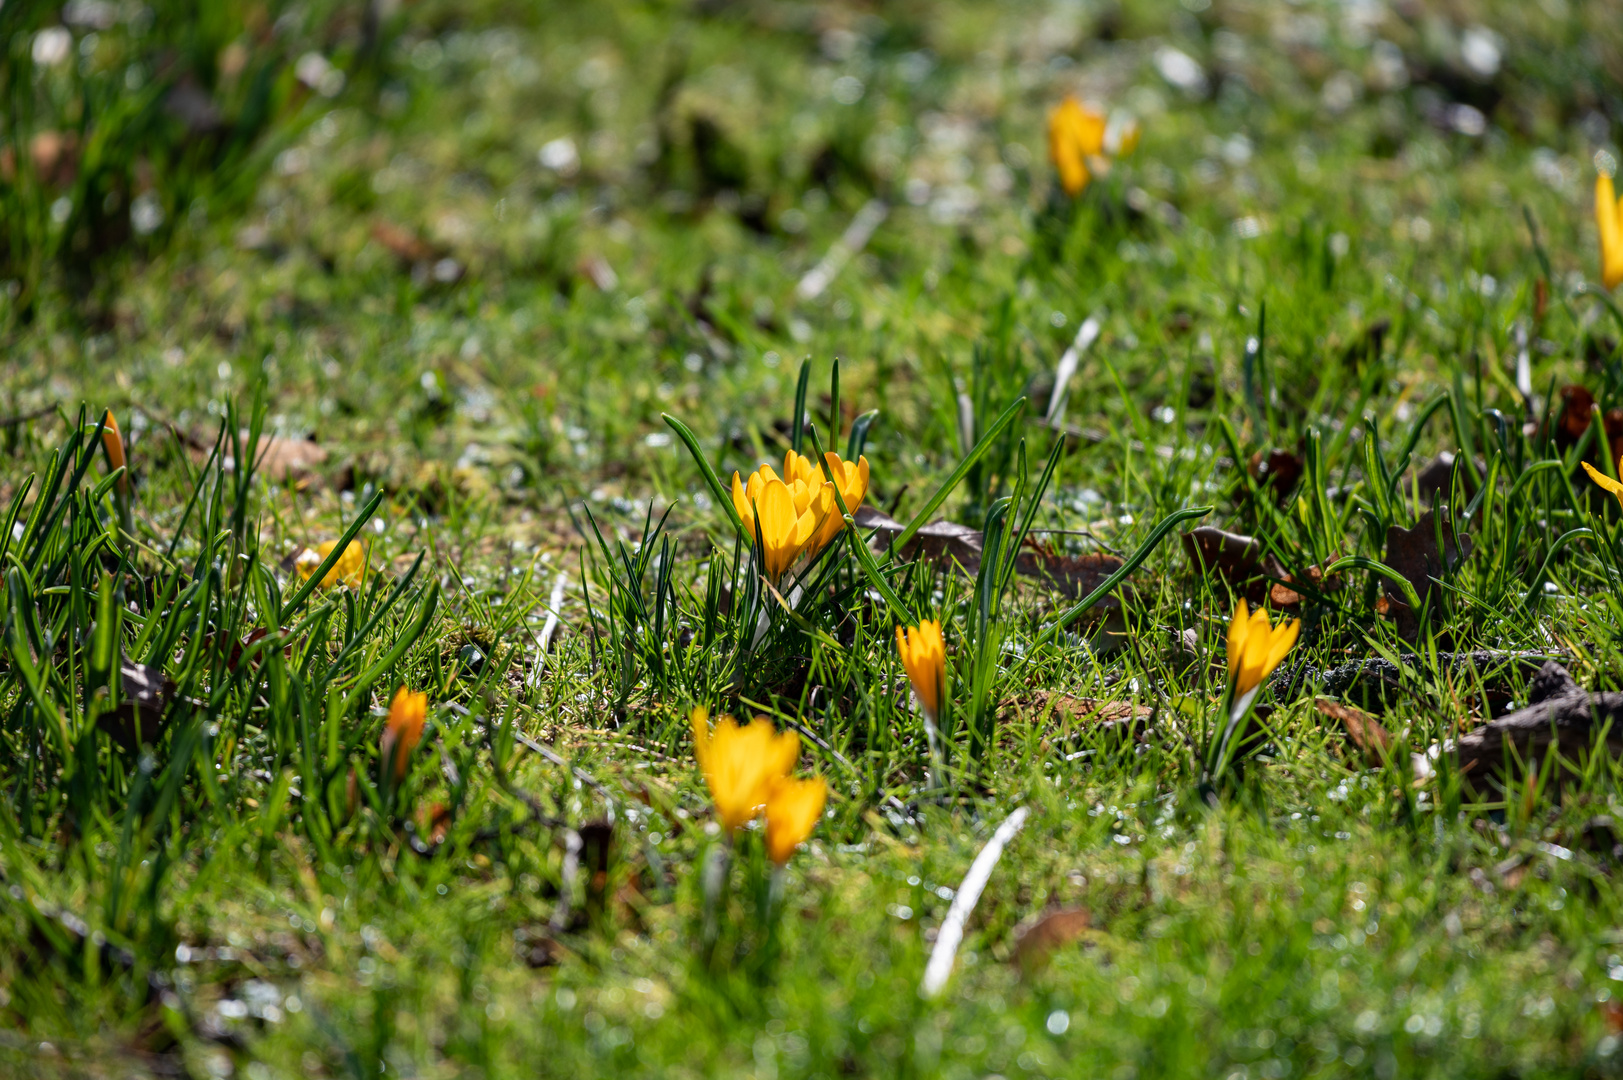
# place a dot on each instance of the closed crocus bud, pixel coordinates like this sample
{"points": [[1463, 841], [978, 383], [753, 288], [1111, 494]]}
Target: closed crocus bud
{"points": [[792, 810], [924, 655], [403, 731], [112, 440]]}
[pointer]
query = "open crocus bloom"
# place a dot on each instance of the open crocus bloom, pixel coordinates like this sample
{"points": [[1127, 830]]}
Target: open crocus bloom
{"points": [[792, 810], [1609, 220], [789, 514], [1256, 648], [851, 477], [741, 763], [1075, 133], [924, 655]]}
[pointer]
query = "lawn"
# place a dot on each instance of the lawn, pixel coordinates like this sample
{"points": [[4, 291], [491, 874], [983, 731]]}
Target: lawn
{"points": [[378, 587]]}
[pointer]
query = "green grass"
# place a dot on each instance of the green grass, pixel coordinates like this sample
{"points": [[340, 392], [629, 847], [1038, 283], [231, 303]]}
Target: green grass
{"points": [[486, 345]]}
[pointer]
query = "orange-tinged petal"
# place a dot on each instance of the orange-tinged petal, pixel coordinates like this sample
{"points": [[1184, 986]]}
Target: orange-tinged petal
{"points": [[741, 503], [792, 810], [924, 657], [1256, 652], [403, 730]]}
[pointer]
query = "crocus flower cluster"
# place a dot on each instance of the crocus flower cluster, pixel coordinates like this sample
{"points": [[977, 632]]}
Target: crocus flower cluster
{"points": [[798, 514], [747, 770]]}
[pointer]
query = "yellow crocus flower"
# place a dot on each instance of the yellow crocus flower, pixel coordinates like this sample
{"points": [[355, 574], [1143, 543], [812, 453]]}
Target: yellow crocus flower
{"points": [[924, 655], [1609, 220], [350, 567], [792, 810], [1606, 481], [113, 442], [851, 477], [789, 514], [1255, 648], [741, 764], [403, 731], [1075, 133]]}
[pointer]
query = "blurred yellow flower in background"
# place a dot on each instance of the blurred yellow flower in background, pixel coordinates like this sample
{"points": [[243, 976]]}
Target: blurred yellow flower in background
{"points": [[1609, 220], [350, 567], [741, 763], [792, 810], [1075, 133], [403, 731]]}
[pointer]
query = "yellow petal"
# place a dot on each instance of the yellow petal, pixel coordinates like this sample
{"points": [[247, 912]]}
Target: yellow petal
{"points": [[1283, 638], [1605, 481], [741, 503], [792, 810], [1238, 625], [1607, 221]]}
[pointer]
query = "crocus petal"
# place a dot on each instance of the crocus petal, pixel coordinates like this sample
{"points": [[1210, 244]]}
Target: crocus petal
{"points": [[1606, 481], [741, 503], [1607, 214], [1236, 643], [1256, 652], [1283, 638], [792, 810]]}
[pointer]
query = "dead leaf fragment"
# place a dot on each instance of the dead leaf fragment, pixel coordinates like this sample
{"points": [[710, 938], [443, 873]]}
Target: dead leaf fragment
{"points": [[1073, 575], [1416, 555], [1038, 943], [1233, 556], [1366, 732], [1278, 469], [404, 244], [283, 459], [138, 720]]}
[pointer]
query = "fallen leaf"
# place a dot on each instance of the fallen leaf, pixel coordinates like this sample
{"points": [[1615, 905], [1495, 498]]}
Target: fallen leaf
{"points": [[939, 541], [1278, 469], [1073, 575], [1039, 941], [145, 693], [1436, 480], [1097, 711], [1366, 732], [283, 459], [596, 269], [406, 245], [1414, 553], [1368, 345], [1233, 556]]}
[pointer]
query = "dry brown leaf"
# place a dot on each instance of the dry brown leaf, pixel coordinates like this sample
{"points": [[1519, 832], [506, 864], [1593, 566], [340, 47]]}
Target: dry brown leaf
{"points": [[1278, 469], [1080, 709], [1366, 732], [1414, 553], [282, 459], [1048, 934], [405, 245], [1074, 575], [1233, 556]]}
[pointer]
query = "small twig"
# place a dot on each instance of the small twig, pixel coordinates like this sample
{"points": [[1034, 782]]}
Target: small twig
{"points": [[850, 243], [951, 935], [1086, 335], [23, 418], [549, 628]]}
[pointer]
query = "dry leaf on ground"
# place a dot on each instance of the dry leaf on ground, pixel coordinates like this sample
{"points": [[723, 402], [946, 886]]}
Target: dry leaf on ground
{"points": [[1366, 732], [1039, 941]]}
